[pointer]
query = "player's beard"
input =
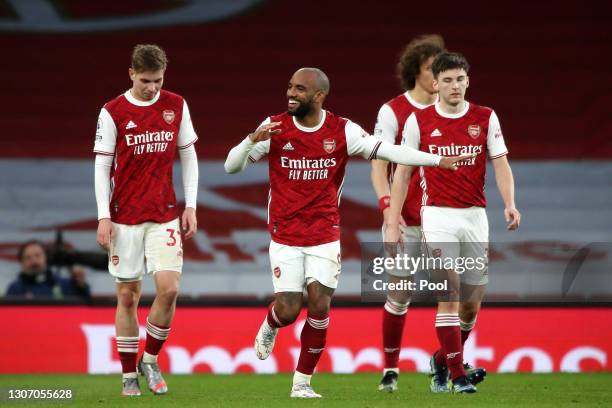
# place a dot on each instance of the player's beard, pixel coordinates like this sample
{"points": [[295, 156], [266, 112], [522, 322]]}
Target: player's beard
{"points": [[303, 109], [35, 269]]}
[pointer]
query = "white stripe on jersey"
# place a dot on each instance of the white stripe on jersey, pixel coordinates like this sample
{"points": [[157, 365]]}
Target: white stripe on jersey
{"points": [[269, 201], [340, 191]]}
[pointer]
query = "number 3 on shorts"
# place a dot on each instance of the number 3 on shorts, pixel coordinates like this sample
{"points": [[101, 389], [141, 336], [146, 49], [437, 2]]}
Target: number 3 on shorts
{"points": [[172, 239]]}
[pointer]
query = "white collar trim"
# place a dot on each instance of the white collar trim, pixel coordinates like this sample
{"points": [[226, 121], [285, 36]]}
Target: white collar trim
{"points": [[415, 103], [310, 129], [128, 95], [452, 115]]}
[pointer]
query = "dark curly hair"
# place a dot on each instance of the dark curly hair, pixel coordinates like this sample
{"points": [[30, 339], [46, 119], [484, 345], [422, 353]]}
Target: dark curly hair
{"points": [[447, 61], [415, 53]]}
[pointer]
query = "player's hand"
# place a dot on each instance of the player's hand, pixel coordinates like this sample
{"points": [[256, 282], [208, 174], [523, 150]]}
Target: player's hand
{"points": [[265, 132], [402, 222], [513, 218], [450, 163], [189, 222], [105, 233], [393, 239]]}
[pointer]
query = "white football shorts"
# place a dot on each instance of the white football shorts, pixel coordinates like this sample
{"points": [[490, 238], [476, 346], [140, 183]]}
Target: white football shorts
{"points": [[460, 234], [158, 245], [295, 267]]}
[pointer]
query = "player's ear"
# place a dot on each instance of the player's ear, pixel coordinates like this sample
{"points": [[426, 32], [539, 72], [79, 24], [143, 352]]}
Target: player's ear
{"points": [[435, 85], [467, 81], [320, 96], [132, 73]]}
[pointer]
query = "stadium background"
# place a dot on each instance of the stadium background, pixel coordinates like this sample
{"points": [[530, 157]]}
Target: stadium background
{"points": [[543, 66]]}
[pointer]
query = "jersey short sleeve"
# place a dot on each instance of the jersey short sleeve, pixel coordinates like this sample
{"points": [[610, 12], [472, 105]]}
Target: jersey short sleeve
{"points": [[386, 124], [106, 134], [187, 135], [495, 139], [359, 142], [411, 135], [262, 148]]}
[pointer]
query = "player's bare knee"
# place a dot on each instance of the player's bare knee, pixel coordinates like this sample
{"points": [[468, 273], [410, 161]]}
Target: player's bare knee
{"points": [[127, 298], [168, 294], [319, 305]]}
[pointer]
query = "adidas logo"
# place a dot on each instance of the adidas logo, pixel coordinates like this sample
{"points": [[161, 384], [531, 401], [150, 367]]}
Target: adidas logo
{"points": [[435, 133], [288, 146], [130, 125]]}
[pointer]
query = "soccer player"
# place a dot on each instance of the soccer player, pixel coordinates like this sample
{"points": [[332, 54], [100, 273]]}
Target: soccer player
{"points": [[137, 138], [414, 71], [307, 149], [454, 220]]}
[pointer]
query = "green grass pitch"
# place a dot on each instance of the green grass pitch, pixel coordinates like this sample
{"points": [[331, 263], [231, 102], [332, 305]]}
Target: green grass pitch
{"points": [[347, 390]]}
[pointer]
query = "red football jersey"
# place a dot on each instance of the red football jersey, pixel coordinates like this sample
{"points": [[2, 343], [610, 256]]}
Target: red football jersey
{"points": [[306, 167], [143, 138], [474, 130], [390, 123]]}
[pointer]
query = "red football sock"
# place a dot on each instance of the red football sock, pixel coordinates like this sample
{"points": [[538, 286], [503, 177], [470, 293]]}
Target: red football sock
{"points": [[313, 338], [273, 320], [439, 356], [464, 336], [156, 336], [394, 319], [128, 350], [447, 329]]}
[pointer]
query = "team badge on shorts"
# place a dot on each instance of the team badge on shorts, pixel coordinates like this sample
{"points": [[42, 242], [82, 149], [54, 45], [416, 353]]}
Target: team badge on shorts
{"points": [[115, 260], [329, 145], [277, 272], [168, 116], [437, 252], [474, 131]]}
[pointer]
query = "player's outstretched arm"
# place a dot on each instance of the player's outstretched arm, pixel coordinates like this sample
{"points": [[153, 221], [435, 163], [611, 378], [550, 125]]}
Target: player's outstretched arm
{"points": [[359, 142], [102, 170], [409, 156], [505, 184], [238, 157]]}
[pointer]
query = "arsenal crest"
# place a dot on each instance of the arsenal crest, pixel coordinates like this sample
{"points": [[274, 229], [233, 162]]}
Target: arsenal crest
{"points": [[474, 131], [329, 145], [168, 116], [115, 260], [277, 272]]}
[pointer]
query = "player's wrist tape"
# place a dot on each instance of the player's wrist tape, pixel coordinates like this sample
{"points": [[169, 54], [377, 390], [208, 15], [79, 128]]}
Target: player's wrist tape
{"points": [[384, 202]]}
